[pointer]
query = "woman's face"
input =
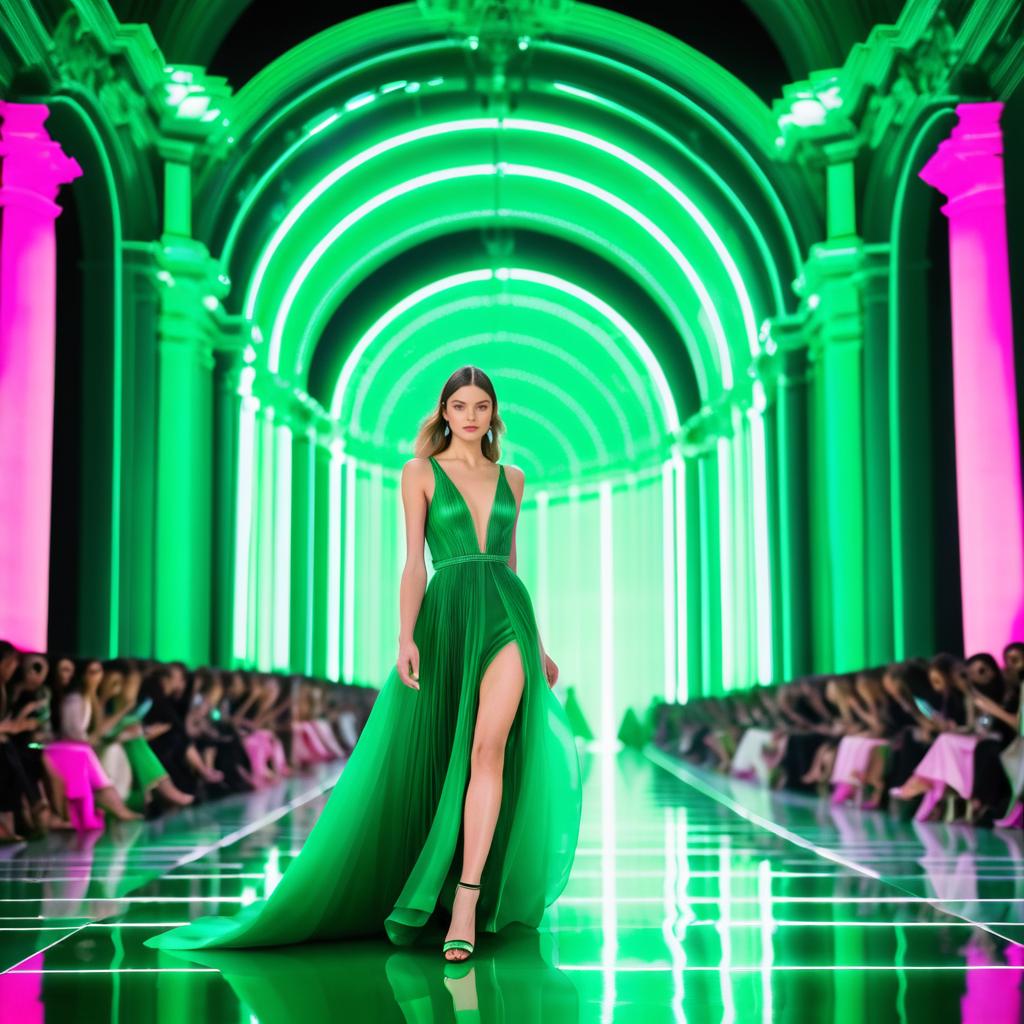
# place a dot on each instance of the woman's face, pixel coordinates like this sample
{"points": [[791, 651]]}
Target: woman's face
{"points": [[469, 407], [937, 680], [980, 673], [35, 668], [1015, 659], [93, 674], [64, 671]]}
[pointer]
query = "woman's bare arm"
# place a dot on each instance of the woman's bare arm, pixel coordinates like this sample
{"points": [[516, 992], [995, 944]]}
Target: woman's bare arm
{"points": [[415, 498]]}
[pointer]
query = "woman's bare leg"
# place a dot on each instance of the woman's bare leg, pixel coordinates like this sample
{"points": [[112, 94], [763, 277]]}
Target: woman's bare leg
{"points": [[500, 691]]}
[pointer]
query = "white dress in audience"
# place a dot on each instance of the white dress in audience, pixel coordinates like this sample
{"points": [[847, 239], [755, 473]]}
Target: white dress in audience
{"points": [[75, 717]]}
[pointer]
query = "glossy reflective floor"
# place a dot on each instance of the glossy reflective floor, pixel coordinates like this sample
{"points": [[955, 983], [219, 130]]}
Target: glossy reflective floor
{"points": [[692, 899]]}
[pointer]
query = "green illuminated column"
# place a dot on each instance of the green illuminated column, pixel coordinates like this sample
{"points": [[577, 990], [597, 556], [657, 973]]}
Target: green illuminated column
{"points": [[783, 372], [138, 495], [837, 484], [700, 436], [262, 615], [304, 421], [816, 121], [321, 546], [230, 363], [692, 579], [190, 287], [873, 281], [184, 404]]}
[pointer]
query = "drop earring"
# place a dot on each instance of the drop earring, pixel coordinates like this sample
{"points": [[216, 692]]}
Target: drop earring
{"points": [[447, 430], [490, 434]]}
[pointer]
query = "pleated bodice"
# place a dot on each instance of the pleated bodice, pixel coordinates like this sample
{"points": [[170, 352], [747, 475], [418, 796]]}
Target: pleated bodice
{"points": [[450, 531]]}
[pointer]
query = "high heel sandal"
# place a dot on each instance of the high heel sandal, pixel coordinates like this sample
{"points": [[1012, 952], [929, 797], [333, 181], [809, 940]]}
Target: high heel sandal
{"points": [[463, 944]]}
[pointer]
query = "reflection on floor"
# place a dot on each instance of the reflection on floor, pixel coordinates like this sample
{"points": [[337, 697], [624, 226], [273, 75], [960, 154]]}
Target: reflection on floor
{"points": [[692, 898]]}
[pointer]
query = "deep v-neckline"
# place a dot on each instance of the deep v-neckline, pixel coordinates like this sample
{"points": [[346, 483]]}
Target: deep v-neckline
{"points": [[469, 511]]}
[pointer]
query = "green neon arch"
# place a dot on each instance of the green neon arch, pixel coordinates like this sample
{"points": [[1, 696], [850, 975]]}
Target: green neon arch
{"points": [[666, 399], [525, 343], [357, 269], [612, 407], [508, 125], [724, 357]]}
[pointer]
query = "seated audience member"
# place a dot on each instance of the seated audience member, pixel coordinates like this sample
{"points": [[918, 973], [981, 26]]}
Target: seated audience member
{"points": [[76, 750], [164, 687], [40, 787], [149, 779], [843, 721], [860, 752], [963, 760], [1012, 757]]}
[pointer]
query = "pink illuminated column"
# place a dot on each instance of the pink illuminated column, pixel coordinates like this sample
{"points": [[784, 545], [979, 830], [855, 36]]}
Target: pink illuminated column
{"points": [[32, 168], [968, 168]]}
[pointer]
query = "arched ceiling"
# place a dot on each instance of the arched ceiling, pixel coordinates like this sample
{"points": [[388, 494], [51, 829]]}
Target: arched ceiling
{"points": [[238, 37], [672, 233]]}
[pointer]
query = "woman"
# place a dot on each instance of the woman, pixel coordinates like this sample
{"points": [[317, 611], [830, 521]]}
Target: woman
{"points": [[964, 759], [163, 687], [464, 788], [242, 710], [148, 775], [41, 789], [809, 730], [859, 754], [75, 753], [838, 694]]}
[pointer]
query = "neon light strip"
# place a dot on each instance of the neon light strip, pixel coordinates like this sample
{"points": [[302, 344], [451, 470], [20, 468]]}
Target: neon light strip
{"points": [[349, 608], [607, 589], [681, 582], [762, 555], [334, 566], [726, 548], [282, 548], [670, 586]]}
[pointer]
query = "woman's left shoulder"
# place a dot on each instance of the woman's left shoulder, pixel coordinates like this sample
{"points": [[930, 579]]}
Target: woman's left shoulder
{"points": [[514, 473]]}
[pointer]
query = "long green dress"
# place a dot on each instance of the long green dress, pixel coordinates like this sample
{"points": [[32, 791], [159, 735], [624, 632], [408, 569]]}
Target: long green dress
{"points": [[386, 851]]}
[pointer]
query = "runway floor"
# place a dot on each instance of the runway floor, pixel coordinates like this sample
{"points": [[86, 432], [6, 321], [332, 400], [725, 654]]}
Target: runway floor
{"points": [[692, 898]]}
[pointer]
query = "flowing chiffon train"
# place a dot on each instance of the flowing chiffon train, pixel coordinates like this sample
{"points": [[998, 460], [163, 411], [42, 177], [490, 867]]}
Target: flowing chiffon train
{"points": [[385, 853]]}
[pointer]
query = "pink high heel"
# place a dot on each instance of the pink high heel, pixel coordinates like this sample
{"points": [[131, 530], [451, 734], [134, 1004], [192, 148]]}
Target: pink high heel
{"points": [[1012, 820], [931, 798], [842, 793]]}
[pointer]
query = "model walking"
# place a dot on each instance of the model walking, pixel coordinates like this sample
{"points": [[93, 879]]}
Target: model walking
{"points": [[463, 792]]}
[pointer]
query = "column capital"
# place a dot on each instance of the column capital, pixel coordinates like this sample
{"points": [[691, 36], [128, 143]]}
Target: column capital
{"points": [[195, 113], [34, 165], [968, 166], [783, 359], [699, 434]]}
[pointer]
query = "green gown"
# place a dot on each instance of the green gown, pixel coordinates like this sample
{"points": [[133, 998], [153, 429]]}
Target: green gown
{"points": [[386, 851]]}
